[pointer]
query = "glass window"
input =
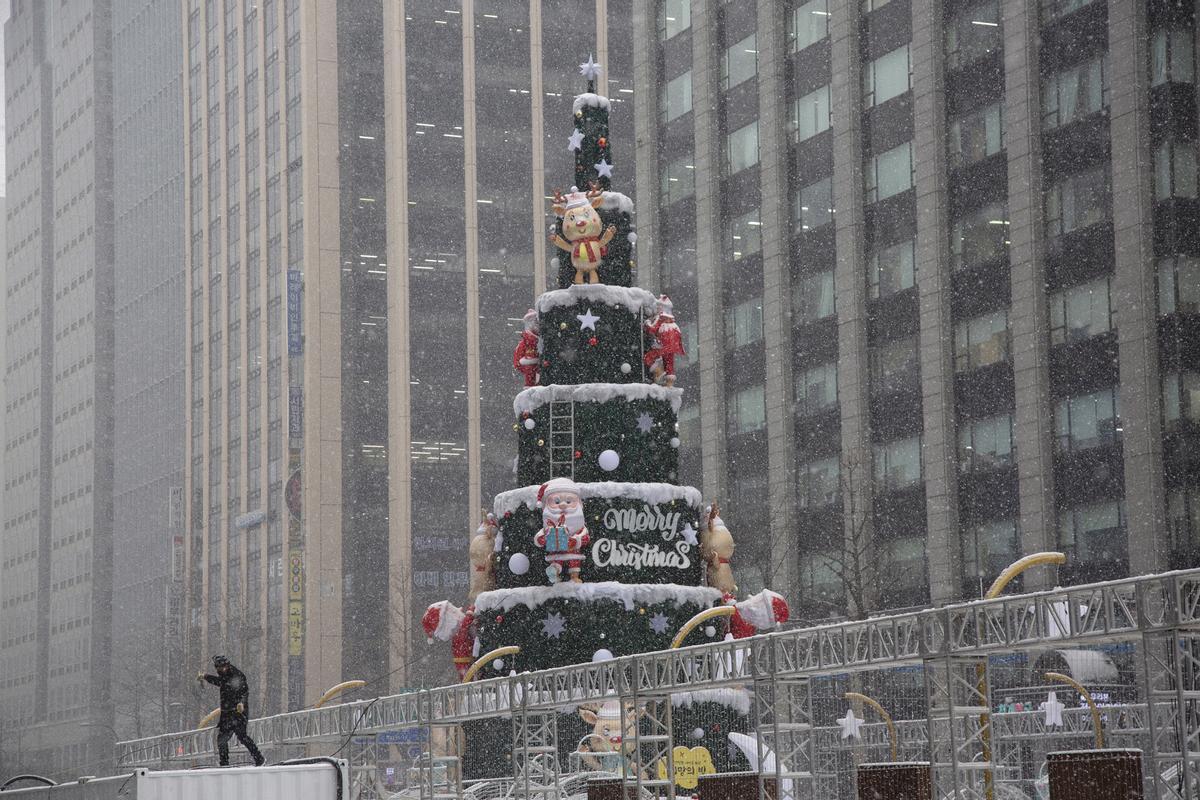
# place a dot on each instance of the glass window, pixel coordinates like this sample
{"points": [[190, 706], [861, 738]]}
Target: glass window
{"points": [[890, 173], [1082, 311], [898, 463], [873, 5], [819, 482], [1183, 516], [677, 97], [894, 365], [886, 77], [1093, 532], [689, 425], [679, 259], [1175, 170], [813, 205], [990, 547], [747, 410], [1077, 201], [1075, 92], [1173, 56], [980, 237], [679, 179], [819, 577], [1052, 9], [1181, 399], [674, 16], [745, 236], [977, 135], [808, 24], [891, 269], [981, 341], [813, 297], [985, 444], [744, 323], [1088, 421], [740, 62], [816, 389], [972, 33], [905, 559], [741, 149], [1178, 285], [811, 115], [690, 333]]}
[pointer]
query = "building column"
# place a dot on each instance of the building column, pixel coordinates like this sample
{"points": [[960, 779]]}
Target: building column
{"points": [[537, 120], [939, 440], [322, 487], [849, 280], [471, 264], [645, 146], [711, 323], [1029, 314], [1136, 297], [783, 569], [399, 401]]}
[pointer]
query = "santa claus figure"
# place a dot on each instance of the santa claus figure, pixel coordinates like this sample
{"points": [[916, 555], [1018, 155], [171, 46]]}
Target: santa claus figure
{"points": [[525, 357], [564, 533], [759, 612], [449, 623], [667, 343]]}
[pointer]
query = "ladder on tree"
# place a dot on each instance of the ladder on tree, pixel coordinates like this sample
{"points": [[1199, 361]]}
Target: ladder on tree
{"points": [[562, 439]]}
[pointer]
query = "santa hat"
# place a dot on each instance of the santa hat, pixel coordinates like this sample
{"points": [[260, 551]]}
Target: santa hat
{"points": [[530, 319], [666, 307], [764, 610], [610, 710], [441, 620], [577, 199], [556, 485]]}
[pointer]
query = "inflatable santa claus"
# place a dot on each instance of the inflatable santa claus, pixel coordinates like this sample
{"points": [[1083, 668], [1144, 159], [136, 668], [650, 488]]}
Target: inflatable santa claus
{"points": [[449, 623], [525, 357], [564, 533], [667, 343]]}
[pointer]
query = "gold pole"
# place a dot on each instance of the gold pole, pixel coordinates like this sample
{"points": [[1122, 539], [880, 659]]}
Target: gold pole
{"points": [[334, 691], [698, 620], [891, 726], [499, 652], [1077, 686], [985, 720], [209, 718]]}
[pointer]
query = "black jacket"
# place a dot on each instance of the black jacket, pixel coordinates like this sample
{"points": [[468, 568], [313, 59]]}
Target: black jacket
{"points": [[234, 690]]}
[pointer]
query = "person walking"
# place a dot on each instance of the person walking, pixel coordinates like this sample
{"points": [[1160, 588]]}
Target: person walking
{"points": [[235, 709]]}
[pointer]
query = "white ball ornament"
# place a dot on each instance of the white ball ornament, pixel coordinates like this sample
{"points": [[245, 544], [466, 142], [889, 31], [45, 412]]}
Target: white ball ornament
{"points": [[518, 563], [632, 237], [498, 664], [530, 424], [626, 369], [674, 441], [602, 655], [609, 460], [710, 631], [697, 733]]}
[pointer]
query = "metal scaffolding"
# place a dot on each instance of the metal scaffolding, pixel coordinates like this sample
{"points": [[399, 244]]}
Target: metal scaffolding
{"points": [[968, 744]]}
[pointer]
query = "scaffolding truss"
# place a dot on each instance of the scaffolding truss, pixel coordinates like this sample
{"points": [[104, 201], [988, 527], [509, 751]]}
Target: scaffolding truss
{"points": [[970, 747]]}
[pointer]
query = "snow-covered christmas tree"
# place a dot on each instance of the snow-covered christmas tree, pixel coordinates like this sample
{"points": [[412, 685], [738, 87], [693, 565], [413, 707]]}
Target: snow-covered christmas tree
{"points": [[601, 554]]}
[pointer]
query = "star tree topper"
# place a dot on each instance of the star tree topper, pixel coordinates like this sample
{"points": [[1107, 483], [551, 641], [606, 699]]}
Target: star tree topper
{"points": [[590, 69]]}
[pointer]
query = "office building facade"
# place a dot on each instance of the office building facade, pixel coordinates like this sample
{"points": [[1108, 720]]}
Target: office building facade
{"points": [[935, 260], [364, 231]]}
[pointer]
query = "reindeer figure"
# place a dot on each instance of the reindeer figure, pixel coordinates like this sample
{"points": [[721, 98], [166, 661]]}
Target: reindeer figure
{"points": [[581, 227], [483, 546], [716, 548], [608, 736]]}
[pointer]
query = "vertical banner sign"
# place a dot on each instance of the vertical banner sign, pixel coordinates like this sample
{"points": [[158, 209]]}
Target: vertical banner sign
{"points": [[295, 337], [295, 413], [295, 602]]}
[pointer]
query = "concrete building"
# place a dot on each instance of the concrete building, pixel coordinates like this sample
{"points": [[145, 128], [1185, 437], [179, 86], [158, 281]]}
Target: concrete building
{"points": [[56, 547], [937, 263], [350, 325]]}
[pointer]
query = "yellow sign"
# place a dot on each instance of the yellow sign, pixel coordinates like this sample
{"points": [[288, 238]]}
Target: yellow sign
{"points": [[690, 764], [295, 628]]}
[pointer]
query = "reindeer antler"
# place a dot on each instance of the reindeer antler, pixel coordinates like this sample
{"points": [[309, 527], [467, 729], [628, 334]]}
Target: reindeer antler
{"points": [[594, 190], [559, 198], [713, 513]]}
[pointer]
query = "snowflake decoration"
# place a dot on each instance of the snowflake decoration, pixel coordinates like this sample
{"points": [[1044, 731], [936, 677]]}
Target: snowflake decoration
{"points": [[645, 422], [554, 625], [658, 623]]}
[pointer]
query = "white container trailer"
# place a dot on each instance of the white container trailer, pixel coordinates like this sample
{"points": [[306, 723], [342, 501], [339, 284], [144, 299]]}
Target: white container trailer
{"points": [[325, 779]]}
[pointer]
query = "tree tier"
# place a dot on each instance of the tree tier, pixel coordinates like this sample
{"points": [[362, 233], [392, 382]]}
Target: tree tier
{"points": [[593, 333], [573, 623], [641, 533], [597, 432]]}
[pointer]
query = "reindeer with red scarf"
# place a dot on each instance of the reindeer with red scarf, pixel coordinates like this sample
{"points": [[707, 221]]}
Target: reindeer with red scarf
{"points": [[762, 611], [581, 226]]}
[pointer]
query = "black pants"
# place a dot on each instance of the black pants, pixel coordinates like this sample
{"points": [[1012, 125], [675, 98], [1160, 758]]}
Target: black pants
{"points": [[234, 724]]}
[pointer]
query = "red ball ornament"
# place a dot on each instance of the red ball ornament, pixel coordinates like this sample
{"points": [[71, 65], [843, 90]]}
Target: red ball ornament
{"points": [[579, 454], [500, 618], [593, 341], [545, 363], [507, 514], [602, 142]]}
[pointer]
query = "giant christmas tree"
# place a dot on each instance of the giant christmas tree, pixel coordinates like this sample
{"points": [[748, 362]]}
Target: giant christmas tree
{"points": [[601, 553]]}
